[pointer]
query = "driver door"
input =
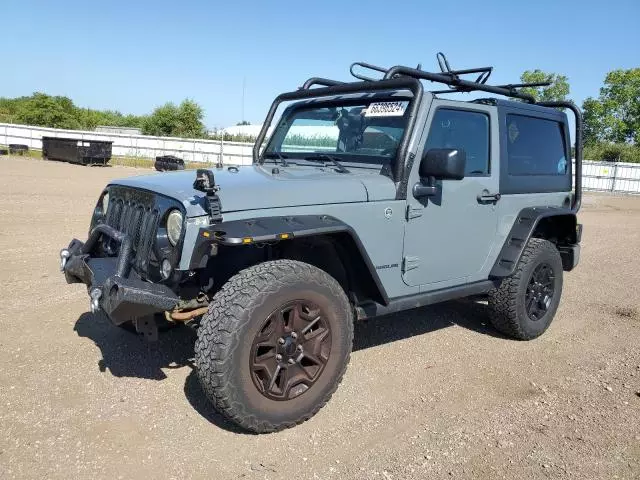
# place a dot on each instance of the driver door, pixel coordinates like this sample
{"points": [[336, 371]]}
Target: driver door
{"points": [[449, 236]]}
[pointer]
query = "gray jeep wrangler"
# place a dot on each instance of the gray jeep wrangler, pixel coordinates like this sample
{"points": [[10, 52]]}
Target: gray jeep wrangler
{"points": [[369, 197]]}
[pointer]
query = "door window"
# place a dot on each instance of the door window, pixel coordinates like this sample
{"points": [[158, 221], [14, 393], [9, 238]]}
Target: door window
{"points": [[465, 130]]}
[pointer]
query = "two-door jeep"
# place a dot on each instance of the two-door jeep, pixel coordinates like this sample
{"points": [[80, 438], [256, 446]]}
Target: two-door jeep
{"points": [[367, 198]]}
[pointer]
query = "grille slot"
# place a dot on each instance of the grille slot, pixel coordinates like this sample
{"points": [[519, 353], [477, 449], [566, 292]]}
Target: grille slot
{"points": [[137, 219]]}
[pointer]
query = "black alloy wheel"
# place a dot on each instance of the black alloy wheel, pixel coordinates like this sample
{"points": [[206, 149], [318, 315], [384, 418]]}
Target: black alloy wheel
{"points": [[290, 350], [540, 291]]}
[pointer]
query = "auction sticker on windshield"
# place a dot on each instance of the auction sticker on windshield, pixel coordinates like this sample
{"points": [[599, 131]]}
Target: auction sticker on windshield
{"points": [[386, 109]]}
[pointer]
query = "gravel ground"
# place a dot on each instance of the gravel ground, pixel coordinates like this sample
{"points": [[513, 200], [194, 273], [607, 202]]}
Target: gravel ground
{"points": [[434, 393]]}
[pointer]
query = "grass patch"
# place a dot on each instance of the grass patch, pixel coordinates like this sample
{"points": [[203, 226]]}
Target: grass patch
{"points": [[143, 162], [310, 141], [29, 153], [135, 162]]}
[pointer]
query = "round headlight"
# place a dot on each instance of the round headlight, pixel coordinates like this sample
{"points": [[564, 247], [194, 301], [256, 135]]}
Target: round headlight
{"points": [[105, 203], [174, 226]]}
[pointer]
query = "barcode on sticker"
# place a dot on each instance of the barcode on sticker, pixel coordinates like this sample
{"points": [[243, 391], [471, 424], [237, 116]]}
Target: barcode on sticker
{"points": [[386, 109]]}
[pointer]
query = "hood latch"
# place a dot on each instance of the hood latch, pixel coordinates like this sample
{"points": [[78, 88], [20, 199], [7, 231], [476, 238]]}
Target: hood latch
{"points": [[205, 182]]}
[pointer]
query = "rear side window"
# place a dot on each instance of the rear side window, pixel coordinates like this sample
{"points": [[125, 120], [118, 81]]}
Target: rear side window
{"points": [[535, 146], [465, 130]]}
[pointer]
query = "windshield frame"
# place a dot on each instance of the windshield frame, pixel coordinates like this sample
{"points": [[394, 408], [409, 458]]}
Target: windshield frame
{"points": [[372, 160], [398, 170]]}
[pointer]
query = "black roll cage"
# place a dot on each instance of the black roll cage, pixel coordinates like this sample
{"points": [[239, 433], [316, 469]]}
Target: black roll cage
{"points": [[401, 77]]}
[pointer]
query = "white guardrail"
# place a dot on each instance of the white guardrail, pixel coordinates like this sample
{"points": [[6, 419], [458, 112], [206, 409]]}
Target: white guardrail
{"points": [[189, 149], [597, 176], [611, 176]]}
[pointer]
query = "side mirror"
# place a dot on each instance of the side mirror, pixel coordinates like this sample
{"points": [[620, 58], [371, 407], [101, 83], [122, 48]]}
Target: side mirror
{"points": [[443, 164], [439, 164]]}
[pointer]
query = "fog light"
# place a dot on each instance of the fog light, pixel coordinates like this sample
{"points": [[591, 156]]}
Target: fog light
{"points": [[166, 268]]}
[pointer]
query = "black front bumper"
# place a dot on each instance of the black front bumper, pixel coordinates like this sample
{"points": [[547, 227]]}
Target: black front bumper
{"points": [[113, 285]]}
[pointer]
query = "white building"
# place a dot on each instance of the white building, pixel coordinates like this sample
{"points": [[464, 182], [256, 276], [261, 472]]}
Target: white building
{"points": [[118, 130]]}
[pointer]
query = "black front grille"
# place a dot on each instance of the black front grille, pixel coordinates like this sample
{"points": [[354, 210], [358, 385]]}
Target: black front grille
{"points": [[134, 212]]}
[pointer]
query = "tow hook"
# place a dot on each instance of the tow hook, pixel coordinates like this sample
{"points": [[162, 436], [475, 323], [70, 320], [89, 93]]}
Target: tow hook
{"points": [[94, 303], [64, 256]]}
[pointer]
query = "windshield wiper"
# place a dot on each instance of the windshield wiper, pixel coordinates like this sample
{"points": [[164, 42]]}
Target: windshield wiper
{"points": [[281, 157], [324, 157]]}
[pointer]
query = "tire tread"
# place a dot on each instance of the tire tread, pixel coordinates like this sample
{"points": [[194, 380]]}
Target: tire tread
{"points": [[503, 300], [220, 334]]}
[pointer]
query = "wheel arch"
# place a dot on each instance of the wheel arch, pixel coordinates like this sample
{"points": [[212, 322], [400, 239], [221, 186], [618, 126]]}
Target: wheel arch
{"points": [[342, 256], [320, 240], [558, 225]]}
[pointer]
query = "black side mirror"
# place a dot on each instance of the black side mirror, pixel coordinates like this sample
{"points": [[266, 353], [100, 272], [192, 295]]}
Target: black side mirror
{"points": [[443, 164], [439, 164]]}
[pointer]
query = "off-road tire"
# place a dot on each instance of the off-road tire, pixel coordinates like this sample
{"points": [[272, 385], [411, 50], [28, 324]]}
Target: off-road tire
{"points": [[507, 303], [236, 315]]}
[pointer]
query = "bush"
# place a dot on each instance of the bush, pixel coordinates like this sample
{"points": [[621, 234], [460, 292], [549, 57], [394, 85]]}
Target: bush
{"points": [[612, 152], [227, 137]]}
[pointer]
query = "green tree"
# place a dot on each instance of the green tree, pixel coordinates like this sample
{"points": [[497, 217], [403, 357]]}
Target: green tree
{"points": [[184, 120], [44, 110], [190, 116], [9, 109], [47, 111], [163, 121], [615, 115], [557, 91]]}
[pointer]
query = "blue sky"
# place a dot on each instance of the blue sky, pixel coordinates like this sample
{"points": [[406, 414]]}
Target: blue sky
{"points": [[134, 55]]}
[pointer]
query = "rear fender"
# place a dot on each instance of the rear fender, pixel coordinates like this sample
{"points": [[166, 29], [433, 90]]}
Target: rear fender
{"points": [[558, 225]]}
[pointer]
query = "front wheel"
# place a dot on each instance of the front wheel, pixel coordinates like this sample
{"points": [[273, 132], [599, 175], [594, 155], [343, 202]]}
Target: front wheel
{"points": [[274, 345], [525, 303]]}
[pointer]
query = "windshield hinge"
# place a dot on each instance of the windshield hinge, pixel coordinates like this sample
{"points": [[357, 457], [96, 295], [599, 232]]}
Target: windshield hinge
{"points": [[409, 263], [413, 212]]}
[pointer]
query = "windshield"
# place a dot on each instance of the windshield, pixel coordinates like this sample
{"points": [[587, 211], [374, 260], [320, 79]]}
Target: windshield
{"points": [[364, 132]]}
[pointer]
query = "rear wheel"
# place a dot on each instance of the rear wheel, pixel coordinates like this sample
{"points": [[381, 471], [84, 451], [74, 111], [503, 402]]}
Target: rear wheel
{"points": [[525, 304], [274, 344]]}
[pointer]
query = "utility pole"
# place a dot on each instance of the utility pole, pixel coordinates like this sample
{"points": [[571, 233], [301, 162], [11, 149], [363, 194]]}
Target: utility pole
{"points": [[244, 82]]}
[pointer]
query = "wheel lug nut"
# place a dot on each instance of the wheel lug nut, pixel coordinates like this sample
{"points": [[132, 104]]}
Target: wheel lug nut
{"points": [[278, 357], [294, 335], [281, 341], [299, 348], [291, 361]]}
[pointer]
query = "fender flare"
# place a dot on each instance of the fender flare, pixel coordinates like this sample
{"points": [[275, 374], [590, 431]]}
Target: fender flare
{"points": [[273, 229], [522, 230]]}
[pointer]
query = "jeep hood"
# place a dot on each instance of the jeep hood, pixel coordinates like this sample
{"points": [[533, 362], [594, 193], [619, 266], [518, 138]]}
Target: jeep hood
{"points": [[256, 187]]}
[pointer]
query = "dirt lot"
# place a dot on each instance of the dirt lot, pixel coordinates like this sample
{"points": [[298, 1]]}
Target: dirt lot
{"points": [[434, 393]]}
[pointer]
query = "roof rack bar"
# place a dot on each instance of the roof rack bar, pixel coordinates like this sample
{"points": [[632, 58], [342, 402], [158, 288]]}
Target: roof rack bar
{"points": [[467, 71], [450, 90], [442, 62], [446, 68], [455, 82], [522, 85], [483, 77], [324, 82], [510, 86], [368, 66]]}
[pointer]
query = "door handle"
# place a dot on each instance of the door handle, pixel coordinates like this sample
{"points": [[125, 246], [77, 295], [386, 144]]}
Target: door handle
{"points": [[486, 197]]}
